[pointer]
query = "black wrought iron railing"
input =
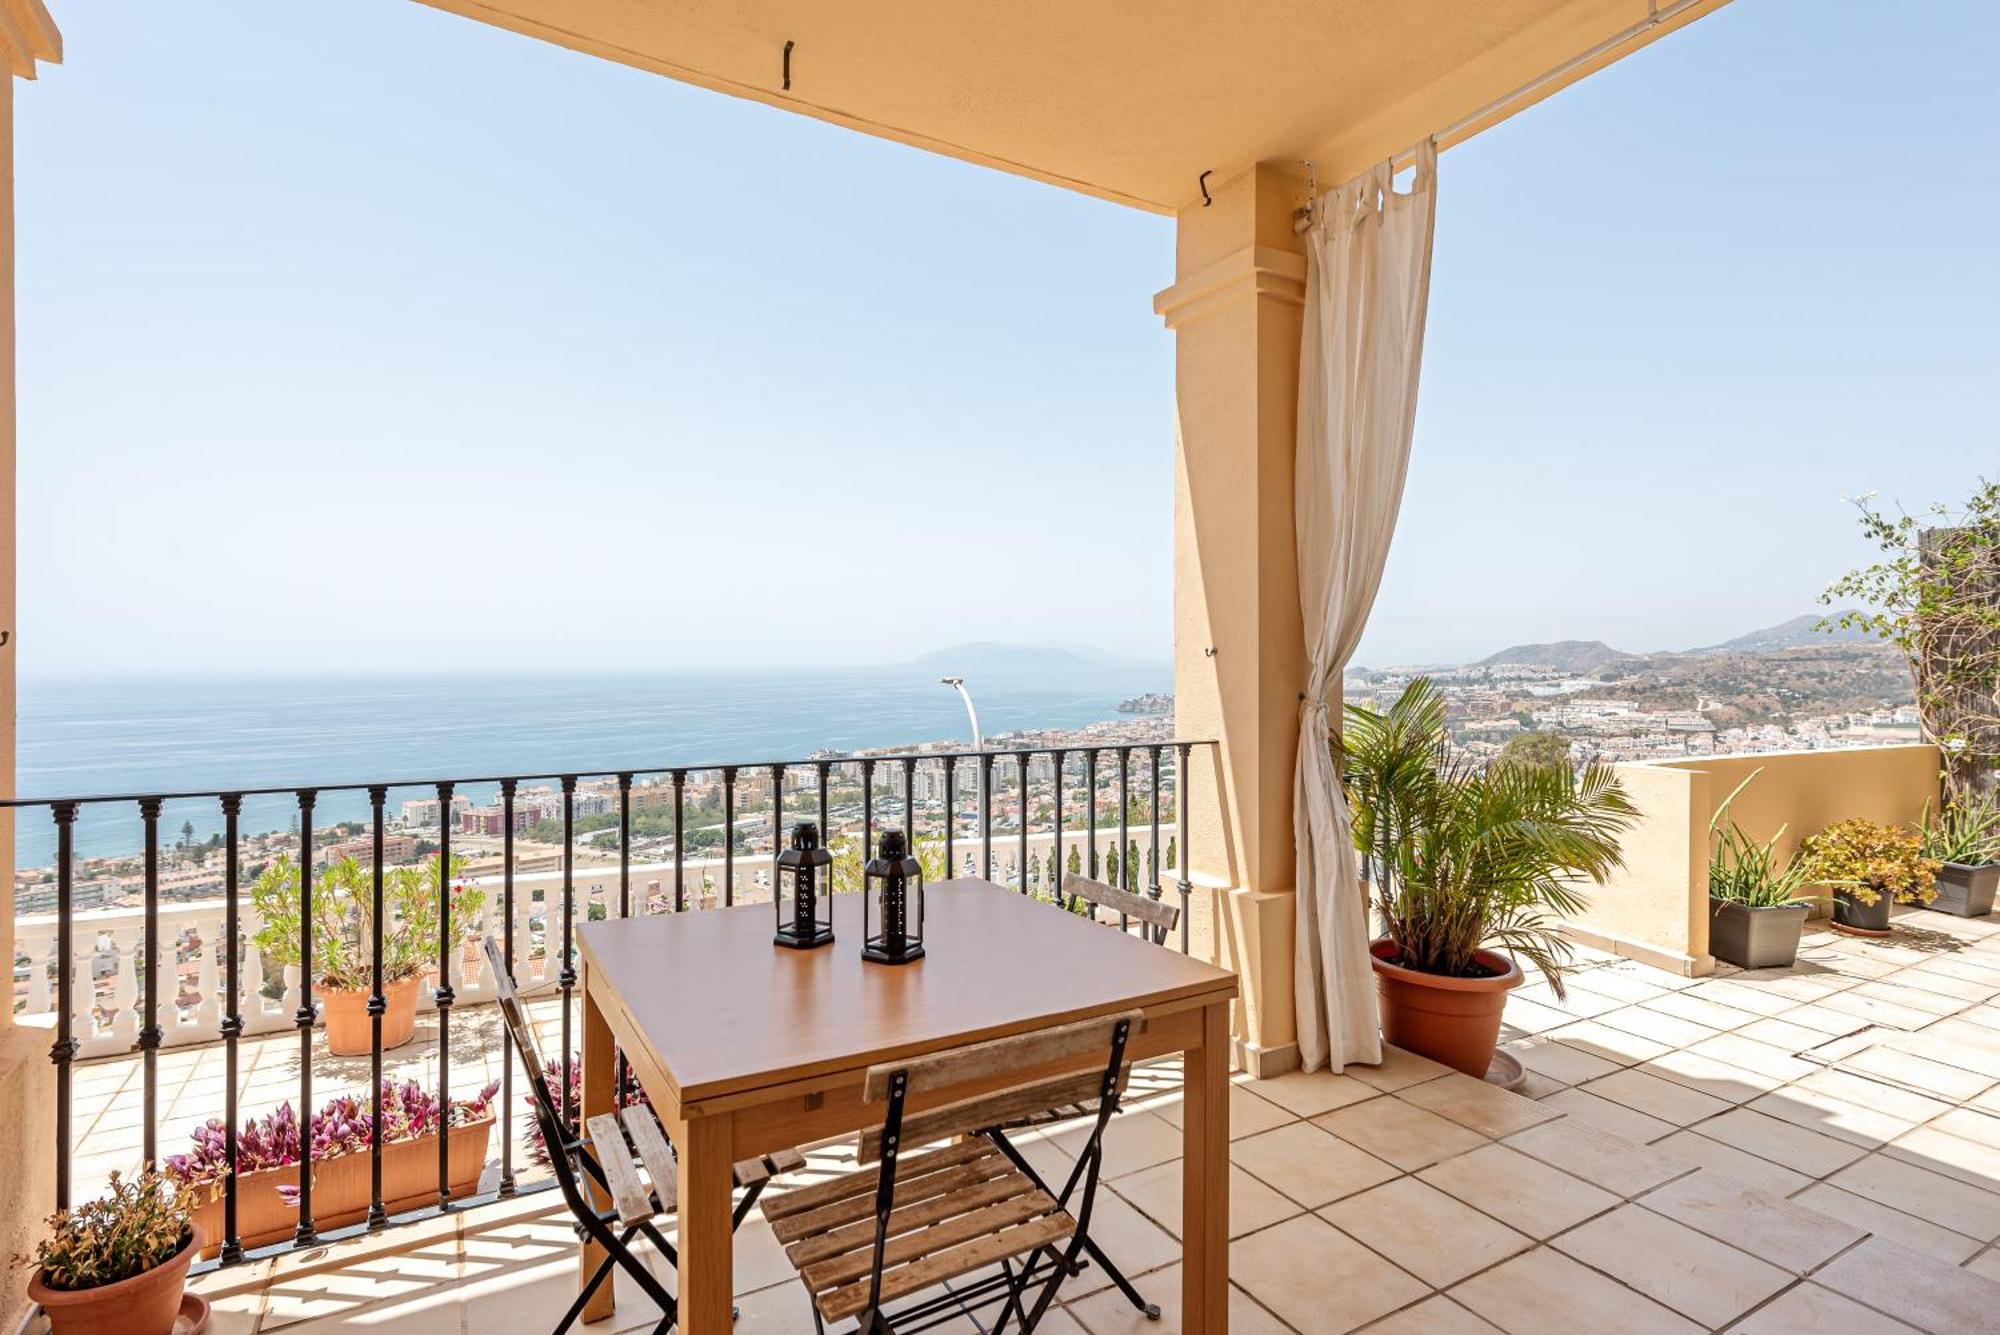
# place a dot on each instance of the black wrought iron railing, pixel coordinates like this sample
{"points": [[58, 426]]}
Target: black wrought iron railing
{"points": [[95, 973]]}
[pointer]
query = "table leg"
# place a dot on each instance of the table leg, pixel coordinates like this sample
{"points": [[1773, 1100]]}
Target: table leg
{"points": [[707, 1240], [1205, 1178], [597, 1098]]}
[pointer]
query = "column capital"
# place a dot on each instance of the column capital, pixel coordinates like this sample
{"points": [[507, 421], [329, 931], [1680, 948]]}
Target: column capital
{"points": [[1253, 271]]}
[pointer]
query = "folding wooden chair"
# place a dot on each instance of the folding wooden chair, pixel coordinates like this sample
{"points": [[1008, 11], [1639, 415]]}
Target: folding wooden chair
{"points": [[605, 1156], [869, 1237]]}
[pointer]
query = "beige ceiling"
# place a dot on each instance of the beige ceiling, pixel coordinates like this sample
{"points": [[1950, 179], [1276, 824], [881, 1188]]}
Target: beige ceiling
{"points": [[1130, 100]]}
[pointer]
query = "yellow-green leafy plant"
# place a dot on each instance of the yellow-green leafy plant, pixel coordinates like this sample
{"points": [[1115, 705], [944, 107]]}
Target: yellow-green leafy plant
{"points": [[135, 1225], [344, 913], [1868, 860]]}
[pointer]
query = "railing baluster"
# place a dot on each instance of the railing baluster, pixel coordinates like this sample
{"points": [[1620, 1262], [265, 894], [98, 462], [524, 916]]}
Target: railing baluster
{"points": [[986, 814], [378, 1006], [567, 978], [1181, 845], [444, 995], [1090, 806], [305, 1235], [950, 816], [1153, 863], [728, 836], [1058, 759], [618, 1078], [63, 1051], [505, 1123], [867, 810], [1021, 774], [232, 1018], [777, 822], [1127, 878], [909, 764], [825, 771], [149, 963], [680, 844]]}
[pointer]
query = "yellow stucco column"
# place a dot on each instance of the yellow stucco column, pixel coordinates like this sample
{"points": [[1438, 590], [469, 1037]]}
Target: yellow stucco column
{"points": [[27, 1082], [1239, 650]]}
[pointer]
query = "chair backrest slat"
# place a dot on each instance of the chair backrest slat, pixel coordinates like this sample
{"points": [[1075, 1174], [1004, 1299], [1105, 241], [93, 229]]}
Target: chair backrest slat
{"points": [[999, 1057], [995, 1109], [521, 1031], [1152, 912]]}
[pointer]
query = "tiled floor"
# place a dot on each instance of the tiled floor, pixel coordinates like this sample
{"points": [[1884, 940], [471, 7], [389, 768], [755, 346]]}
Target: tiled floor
{"points": [[1814, 1149]]}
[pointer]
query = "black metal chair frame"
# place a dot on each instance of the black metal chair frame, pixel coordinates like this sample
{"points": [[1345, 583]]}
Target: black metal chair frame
{"points": [[1061, 1264]]}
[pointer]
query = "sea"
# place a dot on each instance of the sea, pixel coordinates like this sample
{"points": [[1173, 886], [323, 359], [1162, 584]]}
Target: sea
{"points": [[138, 734]]}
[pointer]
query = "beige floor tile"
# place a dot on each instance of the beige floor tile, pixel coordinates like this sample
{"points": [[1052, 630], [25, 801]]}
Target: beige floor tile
{"points": [[1436, 1315], [1309, 1164], [1767, 1177], [1598, 1157], [1134, 1242], [1619, 1120], [1820, 1018], [1782, 1142], [782, 1309], [1132, 1141], [1559, 1062], [1929, 1000], [1878, 1095], [1616, 984], [1655, 1097], [1971, 1124], [1404, 1135], [1716, 1078], [1522, 1192], [1918, 1191], [1309, 1094], [1747, 1053], [1673, 1031], [1808, 1309], [1107, 1313], [1578, 1003], [1968, 990], [1543, 1292], [1740, 995], [1932, 1046], [1787, 1035], [1917, 1234], [1673, 1264], [1618, 1046], [1428, 1233], [1987, 1263], [1769, 1227], [1487, 1109], [1818, 1111], [1967, 1160], [1397, 1070], [1248, 1114], [1316, 1278], [1875, 1010], [1711, 1014], [1914, 1287], [1252, 1204]]}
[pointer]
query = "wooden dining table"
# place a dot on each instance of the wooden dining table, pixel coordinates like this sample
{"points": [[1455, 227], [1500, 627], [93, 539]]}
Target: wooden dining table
{"points": [[745, 1048]]}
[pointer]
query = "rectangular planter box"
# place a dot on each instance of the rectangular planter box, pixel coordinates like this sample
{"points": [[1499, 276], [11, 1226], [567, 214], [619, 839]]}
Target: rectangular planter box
{"points": [[341, 1188], [1967, 890], [1755, 938]]}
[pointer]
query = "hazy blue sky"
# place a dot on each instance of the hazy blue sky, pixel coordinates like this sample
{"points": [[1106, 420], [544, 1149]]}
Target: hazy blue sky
{"points": [[361, 336]]}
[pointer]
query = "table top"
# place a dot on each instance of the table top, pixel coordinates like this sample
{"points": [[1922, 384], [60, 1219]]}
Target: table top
{"points": [[725, 1010]]}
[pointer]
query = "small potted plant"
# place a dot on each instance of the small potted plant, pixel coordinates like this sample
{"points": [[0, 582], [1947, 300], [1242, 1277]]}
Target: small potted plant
{"points": [[1469, 869], [1755, 913], [1869, 866], [343, 940], [116, 1265], [1964, 837]]}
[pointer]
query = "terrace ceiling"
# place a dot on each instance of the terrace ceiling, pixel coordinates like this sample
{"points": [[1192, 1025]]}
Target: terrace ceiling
{"points": [[1131, 100]]}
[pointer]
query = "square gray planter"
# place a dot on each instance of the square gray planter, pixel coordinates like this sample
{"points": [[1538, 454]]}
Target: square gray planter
{"points": [[1967, 890], [1755, 938]]}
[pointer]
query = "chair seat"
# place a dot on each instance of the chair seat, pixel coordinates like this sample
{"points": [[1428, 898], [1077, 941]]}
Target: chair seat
{"points": [[957, 1210]]}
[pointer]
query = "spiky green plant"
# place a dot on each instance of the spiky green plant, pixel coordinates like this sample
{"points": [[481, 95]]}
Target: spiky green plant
{"points": [[1966, 832], [1462, 859], [1743, 871]]}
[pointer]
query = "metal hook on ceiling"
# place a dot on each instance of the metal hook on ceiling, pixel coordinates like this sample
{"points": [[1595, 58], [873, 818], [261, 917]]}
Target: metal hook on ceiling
{"points": [[1206, 199], [788, 65]]}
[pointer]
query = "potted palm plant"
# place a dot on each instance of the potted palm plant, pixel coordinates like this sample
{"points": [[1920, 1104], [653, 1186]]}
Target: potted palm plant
{"points": [[1470, 869], [343, 910], [1964, 837], [1755, 912], [116, 1265], [1869, 865]]}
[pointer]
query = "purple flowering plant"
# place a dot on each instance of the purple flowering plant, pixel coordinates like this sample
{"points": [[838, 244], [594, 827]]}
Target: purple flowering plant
{"points": [[552, 1076]]}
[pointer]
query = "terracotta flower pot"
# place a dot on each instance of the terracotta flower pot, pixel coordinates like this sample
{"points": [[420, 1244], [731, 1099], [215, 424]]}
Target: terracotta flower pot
{"points": [[1451, 1020], [142, 1305], [341, 1187], [350, 1030]]}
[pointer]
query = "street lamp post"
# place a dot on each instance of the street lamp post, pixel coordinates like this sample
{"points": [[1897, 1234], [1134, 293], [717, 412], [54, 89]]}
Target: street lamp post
{"points": [[978, 744]]}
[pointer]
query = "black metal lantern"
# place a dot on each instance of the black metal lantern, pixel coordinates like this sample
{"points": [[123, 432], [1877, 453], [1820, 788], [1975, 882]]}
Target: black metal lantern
{"points": [[893, 904], [804, 870]]}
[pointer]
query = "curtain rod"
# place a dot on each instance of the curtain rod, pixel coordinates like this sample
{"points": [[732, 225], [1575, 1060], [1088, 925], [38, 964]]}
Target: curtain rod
{"points": [[1500, 107]]}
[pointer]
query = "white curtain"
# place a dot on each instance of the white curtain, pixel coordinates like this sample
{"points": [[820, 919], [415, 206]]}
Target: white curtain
{"points": [[1368, 281]]}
